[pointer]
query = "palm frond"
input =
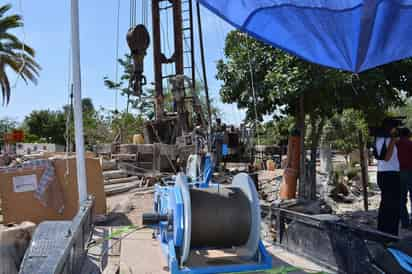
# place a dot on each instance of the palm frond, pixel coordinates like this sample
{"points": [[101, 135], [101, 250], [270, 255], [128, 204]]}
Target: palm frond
{"points": [[17, 45], [10, 22], [4, 9], [5, 85], [14, 54], [27, 68]]}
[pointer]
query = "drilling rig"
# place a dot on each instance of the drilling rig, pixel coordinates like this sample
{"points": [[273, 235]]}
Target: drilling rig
{"points": [[168, 128], [176, 131]]}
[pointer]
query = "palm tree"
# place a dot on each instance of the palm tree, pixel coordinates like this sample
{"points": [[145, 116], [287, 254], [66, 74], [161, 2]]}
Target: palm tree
{"points": [[14, 54]]}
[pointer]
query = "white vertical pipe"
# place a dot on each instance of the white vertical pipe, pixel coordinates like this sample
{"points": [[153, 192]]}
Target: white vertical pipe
{"points": [[78, 113]]}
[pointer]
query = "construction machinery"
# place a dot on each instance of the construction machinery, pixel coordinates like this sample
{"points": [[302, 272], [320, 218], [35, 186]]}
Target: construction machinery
{"points": [[198, 215]]}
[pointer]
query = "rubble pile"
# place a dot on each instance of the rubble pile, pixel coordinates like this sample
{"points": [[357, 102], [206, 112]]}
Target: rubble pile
{"points": [[269, 186]]}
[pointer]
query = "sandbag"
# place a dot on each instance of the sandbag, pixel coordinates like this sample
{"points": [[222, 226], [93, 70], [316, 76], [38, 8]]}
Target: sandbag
{"points": [[14, 240]]}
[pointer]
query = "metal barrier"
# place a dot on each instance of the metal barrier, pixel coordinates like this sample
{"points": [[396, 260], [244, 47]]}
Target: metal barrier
{"points": [[327, 241], [60, 246]]}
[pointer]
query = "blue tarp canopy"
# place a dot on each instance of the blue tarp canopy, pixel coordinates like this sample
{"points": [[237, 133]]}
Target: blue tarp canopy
{"points": [[352, 35]]}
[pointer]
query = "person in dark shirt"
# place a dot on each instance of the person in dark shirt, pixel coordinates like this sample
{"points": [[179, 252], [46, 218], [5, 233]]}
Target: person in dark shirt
{"points": [[404, 146]]}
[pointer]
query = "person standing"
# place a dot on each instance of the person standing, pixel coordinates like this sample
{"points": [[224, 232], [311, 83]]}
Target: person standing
{"points": [[404, 147], [388, 181]]}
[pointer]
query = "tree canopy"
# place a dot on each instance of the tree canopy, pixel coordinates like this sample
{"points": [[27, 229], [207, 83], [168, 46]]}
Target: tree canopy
{"points": [[142, 103], [269, 81], [280, 78], [47, 125]]}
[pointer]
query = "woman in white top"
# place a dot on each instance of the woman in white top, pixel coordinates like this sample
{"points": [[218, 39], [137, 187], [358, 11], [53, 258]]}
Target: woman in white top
{"points": [[389, 183]]}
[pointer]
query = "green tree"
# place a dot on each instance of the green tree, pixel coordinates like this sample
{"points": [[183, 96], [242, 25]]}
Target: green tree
{"points": [[343, 131], [95, 131], [49, 126], [276, 132], [14, 54], [406, 111], [279, 80], [142, 103]]}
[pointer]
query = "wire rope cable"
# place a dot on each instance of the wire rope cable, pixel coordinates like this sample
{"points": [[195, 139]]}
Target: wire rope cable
{"points": [[116, 73], [23, 44]]}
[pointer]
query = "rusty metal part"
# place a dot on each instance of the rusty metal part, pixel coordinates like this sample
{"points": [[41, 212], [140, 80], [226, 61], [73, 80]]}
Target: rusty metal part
{"points": [[178, 90], [177, 21], [192, 46], [159, 57], [138, 39], [157, 62]]}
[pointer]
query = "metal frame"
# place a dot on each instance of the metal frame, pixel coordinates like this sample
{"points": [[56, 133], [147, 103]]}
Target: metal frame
{"points": [[64, 250], [158, 56], [344, 248], [263, 261]]}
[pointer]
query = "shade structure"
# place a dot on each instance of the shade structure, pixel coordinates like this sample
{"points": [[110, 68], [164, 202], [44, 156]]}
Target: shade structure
{"points": [[352, 35]]}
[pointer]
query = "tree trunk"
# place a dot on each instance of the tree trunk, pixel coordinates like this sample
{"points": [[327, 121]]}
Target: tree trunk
{"points": [[325, 158], [317, 128], [364, 171], [326, 167], [302, 182]]}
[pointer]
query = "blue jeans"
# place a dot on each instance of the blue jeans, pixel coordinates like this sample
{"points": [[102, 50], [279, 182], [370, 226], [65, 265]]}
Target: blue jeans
{"points": [[406, 185]]}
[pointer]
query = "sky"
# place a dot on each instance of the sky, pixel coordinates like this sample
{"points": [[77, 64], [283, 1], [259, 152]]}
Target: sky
{"points": [[47, 30]]}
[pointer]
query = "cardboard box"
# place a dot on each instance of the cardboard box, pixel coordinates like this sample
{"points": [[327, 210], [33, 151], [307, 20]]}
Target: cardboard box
{"points": [[23, 206]]}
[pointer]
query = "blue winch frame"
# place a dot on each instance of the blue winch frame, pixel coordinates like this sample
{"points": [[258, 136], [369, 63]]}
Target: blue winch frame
{"points": [[169, 200]]}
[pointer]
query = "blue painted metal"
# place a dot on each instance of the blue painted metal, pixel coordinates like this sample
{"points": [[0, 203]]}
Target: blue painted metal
{"points": [[353, 35], [168, 199], [403, 259], [208, 171], [178, 226], [225, 149], [263, 261]]}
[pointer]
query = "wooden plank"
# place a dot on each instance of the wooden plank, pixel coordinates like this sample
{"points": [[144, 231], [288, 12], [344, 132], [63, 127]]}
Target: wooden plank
{"points": [[121, 180]]}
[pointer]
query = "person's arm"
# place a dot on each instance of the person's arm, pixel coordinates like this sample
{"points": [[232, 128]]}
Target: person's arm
{"points": [[389, 151]]}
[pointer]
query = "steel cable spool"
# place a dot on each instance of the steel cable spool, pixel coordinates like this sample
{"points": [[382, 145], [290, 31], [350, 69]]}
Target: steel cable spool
{"points": [[215, 217], [221, 217]]}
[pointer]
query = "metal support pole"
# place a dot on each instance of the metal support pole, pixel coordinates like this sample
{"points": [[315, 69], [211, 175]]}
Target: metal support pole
{"points": [[157, 63], [178, 37], [202, 54], [78, 113], [192, 46]]}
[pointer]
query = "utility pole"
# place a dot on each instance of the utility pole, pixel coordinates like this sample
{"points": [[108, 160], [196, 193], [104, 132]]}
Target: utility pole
{"points": [[78, 112]]}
